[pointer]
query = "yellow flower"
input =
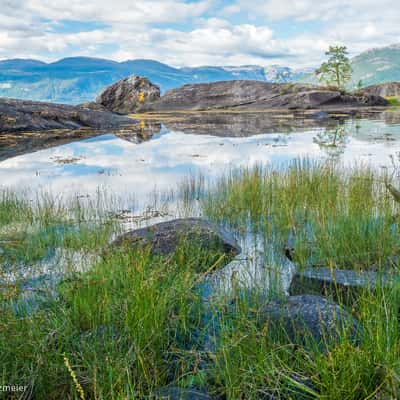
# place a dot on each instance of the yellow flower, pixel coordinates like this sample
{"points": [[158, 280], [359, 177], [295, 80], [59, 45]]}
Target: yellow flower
{"points": [[78, 386]]}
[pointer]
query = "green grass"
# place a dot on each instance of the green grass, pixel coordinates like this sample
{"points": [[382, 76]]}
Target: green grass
{"points": [[344, 218], [393, 101], [135, 322]]}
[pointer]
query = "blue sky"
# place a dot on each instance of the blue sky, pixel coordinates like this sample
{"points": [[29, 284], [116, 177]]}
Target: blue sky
{"points": [[195, 32]]}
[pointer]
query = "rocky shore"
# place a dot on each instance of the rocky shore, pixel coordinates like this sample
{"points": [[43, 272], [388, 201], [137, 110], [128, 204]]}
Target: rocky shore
{"points": [[25, 116]]}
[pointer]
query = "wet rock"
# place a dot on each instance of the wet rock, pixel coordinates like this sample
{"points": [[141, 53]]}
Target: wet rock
{"points": [[257, 95], [28, 116], [163, 238], [129, 95], [176, 393], [389, 89], [310, 320], [342, 285]]}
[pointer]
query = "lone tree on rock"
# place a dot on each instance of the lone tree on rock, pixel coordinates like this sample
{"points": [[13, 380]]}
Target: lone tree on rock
{"points": [[337, 70]]}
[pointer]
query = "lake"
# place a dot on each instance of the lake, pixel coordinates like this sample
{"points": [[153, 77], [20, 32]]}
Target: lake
{"points": [[134, 170]]}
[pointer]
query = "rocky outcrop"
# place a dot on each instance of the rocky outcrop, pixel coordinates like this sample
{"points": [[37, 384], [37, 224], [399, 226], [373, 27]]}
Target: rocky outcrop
{"points": [[129, 95], [343, 285], [27, 116], [164, 238], [310, 320], [390, 89], [257, 95]]}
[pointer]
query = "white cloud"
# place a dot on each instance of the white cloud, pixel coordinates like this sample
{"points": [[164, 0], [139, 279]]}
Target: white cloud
{"points": [[195, 33]]}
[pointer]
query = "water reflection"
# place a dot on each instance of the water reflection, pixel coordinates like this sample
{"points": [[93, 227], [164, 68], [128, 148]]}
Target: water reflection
{"points": [[332, 141], [208, 146]]}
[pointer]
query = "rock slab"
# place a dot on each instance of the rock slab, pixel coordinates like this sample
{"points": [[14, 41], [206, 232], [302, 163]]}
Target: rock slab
{"points": [[390, 89], [27, 116], [341, 285], [242, 94]]}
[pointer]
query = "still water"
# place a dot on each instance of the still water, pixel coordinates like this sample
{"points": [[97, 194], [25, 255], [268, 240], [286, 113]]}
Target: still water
{"points": [[135, 170]]}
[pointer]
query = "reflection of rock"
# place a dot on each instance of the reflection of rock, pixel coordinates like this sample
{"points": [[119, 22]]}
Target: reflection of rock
{"points": [[163, 238], [257, 95], [309, 319], [140, 132], [390, 89], [230, 124], [343, 285], [27, 126], [129, 95]]}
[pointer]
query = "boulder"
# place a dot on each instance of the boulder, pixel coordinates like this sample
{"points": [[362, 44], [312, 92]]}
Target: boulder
{"points": [[257, 95], [163, 238], [389, 89], [310, 320], [338, 284], [176, 393], [128, 95]]}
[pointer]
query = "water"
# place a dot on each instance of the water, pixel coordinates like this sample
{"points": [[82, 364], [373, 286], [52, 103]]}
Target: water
{"points": [[134, 171]]}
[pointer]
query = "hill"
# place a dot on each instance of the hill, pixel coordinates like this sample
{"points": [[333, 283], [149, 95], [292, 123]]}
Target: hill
{"points": [[80, 79]]}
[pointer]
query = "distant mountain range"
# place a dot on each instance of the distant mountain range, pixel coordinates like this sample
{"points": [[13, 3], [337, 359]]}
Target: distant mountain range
{"points": [[377, 65], [79, 79]]}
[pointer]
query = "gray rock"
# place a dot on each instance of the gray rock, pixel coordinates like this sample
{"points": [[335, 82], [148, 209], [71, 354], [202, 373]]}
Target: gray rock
{"points": [[163, 238], [27, 116], [310, 320], [128, 95], [342, 285], [257, 95], [389, 89], [176, 393]]}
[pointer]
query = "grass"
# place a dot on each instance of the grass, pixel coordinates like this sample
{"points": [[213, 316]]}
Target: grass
{"points": [[393, 101], [332, 216], [135, 322]]}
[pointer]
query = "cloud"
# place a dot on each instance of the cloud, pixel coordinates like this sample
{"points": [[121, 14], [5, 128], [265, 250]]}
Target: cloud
{"points": [[187, 32]]}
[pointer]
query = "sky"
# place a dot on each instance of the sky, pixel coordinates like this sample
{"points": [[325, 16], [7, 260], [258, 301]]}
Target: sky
{"points": [[293, 33]]}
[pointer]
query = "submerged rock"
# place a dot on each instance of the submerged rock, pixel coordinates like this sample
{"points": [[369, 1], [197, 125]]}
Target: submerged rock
{"points": [[338, 284], [310, 320], [164, 238], [176, 393], [128, 95]]}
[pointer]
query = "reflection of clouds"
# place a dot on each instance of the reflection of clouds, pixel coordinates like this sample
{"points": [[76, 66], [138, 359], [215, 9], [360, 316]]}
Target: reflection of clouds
{"points": [[126, 168]]}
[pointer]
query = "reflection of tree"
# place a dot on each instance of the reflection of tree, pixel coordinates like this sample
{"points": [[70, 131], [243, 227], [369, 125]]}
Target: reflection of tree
{"points": [[333, 141]]}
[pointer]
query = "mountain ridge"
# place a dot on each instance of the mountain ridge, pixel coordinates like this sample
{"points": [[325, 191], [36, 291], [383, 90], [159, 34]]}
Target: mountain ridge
{"points": [[75, 80]]}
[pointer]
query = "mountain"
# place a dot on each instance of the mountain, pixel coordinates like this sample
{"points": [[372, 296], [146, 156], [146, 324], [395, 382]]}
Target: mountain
{"points": [[377, 65], [371, 67], [80, 79]]}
